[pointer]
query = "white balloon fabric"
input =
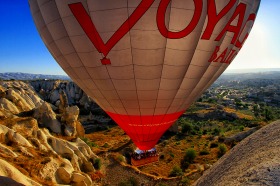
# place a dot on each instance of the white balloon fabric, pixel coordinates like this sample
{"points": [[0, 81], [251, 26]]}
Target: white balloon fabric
{"points": [[144, 62]]}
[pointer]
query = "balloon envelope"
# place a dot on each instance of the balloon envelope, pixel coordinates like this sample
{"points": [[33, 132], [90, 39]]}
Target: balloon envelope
{"points": [[144, 62]]}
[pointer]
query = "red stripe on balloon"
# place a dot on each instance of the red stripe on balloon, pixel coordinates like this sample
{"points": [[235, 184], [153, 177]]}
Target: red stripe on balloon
{"points": [[145, 131]]}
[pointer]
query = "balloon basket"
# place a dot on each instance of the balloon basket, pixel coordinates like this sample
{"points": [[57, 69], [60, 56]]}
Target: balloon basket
{"points": [[145, 161], [140, 158]]}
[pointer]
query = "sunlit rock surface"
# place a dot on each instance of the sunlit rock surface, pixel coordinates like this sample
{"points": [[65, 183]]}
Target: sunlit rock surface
{"points": [[29, 152], [254, 161]]}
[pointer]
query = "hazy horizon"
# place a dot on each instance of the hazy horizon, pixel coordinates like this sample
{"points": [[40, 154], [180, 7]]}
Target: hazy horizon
{"points": [[228, 71]]}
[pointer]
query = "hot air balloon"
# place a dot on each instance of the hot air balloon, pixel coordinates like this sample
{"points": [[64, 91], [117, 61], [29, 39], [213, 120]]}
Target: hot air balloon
{"points": [[144, 62]]}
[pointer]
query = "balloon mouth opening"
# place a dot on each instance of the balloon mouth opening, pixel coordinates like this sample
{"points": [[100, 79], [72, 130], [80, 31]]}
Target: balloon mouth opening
{"points": [[145, 130], [145, 146]]}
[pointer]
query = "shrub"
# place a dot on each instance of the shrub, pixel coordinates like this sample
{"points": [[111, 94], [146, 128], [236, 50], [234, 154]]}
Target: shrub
{"points": [[222, 150], [97, 163], [165, 142], [196, 128], [200, 132], [89, 143], [133, 181], [162, 184], [214, 145], [178, 143], [205, 131], [211, 137], [221, 138], [229, 128], [211, 100], [106, 145], [176, 171], [185, 181], [190, 155], [179, 137], [130, 182], [120, 158], [187, 127], [184, 164], [188, 158], [216, 131], [204, 152]]}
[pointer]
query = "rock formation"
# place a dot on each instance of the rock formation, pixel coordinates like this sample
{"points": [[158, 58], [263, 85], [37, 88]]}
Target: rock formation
{"points": [[66, 161], [17, 96], [69, 115], [254, 161], [53, 90], [8, 105], [31, 155], [63, 102], [47, 118]]}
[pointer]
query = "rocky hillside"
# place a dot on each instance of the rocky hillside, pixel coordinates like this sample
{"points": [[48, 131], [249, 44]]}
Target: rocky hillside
{"points": [[254, 161], [32, 147]]}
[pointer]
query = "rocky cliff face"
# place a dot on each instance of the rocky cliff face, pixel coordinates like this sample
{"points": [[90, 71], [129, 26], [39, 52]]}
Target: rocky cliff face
{"points": [[29, 153], [51, 90]]}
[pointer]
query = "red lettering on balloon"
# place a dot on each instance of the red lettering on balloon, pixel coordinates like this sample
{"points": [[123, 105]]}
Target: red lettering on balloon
{"points": [[239, 43], [240, 13], [230, 57], [88, 26], [177, 35], [222, 56], [215, 54], [214, 18]]}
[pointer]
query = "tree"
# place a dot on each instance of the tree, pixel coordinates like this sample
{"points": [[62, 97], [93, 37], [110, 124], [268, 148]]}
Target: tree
{"points": [[268, 114], [176, 171], [97, 163], [256, 110], [188, 158], [216, 131], [222, 150], [190, 155], [187, 127], [238, 102]]}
